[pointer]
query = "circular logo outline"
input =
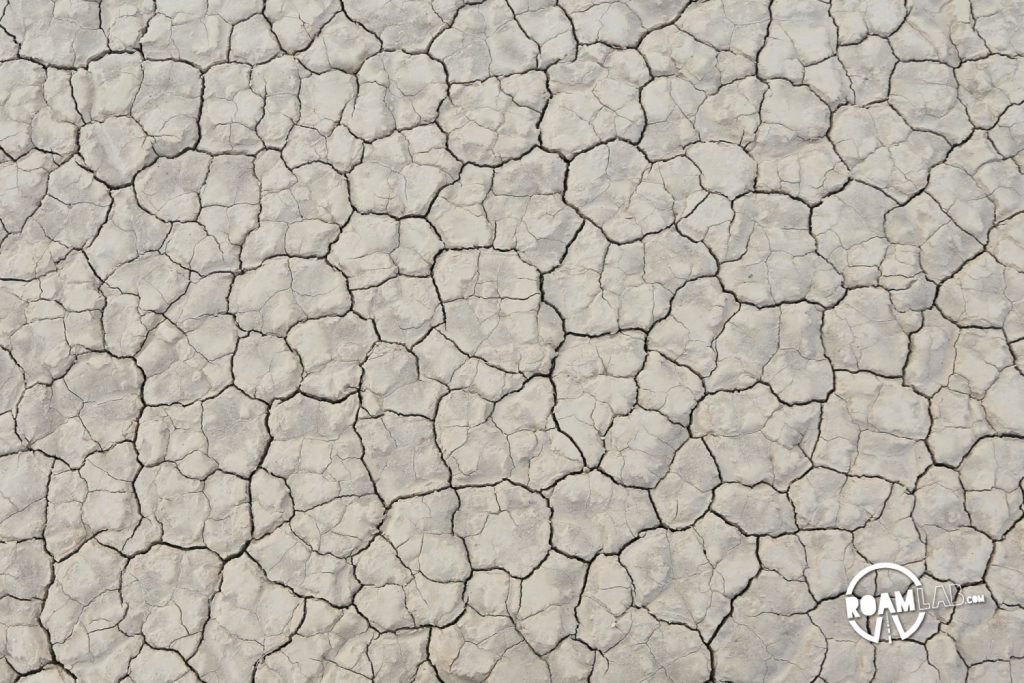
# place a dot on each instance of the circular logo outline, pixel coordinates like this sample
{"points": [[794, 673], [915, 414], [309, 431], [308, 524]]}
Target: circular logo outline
{"points": [[875, 636]]}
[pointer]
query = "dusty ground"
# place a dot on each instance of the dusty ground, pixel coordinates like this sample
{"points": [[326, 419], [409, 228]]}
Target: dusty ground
{"points": [[513, 340]]}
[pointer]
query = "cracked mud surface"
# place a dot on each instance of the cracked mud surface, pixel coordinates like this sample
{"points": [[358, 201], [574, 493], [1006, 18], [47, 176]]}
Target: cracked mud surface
{"points": [[511, 340]]}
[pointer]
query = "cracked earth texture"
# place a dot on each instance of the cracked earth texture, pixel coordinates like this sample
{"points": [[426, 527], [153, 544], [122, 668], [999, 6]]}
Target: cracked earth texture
{"points": [[510, 340]]}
